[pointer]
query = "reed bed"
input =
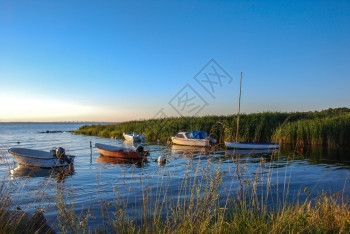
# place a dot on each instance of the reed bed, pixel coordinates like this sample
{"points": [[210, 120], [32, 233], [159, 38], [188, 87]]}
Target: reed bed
{"points": [[329, 128], [328, 131]]}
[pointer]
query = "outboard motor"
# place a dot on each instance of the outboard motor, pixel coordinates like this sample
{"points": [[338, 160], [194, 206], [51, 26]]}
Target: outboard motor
{"points": [[60, 153], [53, 152], [139, 149], [67, 159]]}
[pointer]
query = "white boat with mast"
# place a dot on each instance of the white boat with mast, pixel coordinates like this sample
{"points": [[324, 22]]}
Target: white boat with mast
{"points": [[247, 145]]}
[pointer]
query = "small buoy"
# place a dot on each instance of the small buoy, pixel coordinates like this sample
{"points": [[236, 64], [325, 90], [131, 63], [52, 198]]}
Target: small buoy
{"points": [[161, 160]]}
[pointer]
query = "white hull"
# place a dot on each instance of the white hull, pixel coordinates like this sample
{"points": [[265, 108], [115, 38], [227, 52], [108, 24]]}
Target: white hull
{"points": [[248, 145], [190, 142], [38, 158]]}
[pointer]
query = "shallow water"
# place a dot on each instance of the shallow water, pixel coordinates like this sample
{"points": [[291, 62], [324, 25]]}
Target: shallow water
{"points": [[98, 180]]}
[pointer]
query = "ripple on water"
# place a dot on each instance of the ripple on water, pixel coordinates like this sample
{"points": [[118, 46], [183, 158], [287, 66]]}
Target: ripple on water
{"points": [[96, 179]]}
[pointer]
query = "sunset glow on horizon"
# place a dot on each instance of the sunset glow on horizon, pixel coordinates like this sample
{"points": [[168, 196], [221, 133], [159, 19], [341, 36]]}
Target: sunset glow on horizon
{"points": [[118, 61]]}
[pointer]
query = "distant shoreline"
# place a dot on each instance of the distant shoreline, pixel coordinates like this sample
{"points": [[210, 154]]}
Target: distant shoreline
{"points": [[59, 122]]}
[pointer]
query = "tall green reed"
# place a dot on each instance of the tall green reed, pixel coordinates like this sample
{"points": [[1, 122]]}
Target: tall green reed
{"points": [[329, 127]]}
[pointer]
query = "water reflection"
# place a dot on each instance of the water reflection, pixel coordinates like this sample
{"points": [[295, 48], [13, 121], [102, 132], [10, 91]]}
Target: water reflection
{"points": [[97, 176], [319, 155], [235, 152], [59, 173], [112, 160], [188, 151]]}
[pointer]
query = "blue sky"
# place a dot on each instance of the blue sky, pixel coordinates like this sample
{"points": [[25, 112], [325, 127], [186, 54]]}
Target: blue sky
{"points": [[122, 60]]}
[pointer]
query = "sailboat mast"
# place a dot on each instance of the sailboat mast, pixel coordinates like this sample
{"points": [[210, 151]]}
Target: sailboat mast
{"points": [[239, 107]]}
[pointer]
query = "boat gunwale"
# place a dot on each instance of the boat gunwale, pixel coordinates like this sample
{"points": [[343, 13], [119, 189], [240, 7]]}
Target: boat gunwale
{"points": [[191, 142], [190, 139], [117, 148]]}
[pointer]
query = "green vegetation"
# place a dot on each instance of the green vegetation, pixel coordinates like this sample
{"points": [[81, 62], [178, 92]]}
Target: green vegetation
{"points": [[328, 128], [331, 131]]}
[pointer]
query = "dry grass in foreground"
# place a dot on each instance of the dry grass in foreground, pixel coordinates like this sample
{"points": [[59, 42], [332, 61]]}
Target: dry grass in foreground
{"points": [[198, 209]]}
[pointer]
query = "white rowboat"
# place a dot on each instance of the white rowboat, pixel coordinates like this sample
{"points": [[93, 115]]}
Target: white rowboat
{"points": [[39, 158], [134, 137]]}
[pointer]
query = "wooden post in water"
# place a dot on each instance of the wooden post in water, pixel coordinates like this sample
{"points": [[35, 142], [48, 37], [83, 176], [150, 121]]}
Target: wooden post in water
{"points": [[239, 107], [90, 152]]}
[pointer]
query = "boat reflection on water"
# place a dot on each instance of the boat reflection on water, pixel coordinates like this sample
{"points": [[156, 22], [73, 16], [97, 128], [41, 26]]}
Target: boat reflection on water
{"points": [[59, 173], [235, 152], [189, 150], [113, 160]]}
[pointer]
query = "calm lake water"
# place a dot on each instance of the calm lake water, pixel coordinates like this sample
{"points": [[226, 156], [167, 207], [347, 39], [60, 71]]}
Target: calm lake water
{"points": [[97, 179]]}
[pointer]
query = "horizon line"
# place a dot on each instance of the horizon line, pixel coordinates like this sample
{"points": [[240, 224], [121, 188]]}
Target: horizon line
{"points": [[82, 121]]}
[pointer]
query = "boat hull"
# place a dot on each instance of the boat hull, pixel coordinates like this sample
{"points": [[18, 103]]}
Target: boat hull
{"points": [[38, 158], [191, 142], [248, 145], [117, 152]]}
